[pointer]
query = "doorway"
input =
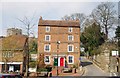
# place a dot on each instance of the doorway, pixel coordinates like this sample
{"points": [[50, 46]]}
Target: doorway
{"points": [[61, 61]]}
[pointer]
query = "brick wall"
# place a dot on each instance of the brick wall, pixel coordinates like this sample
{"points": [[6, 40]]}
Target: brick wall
{"points": [[21, 68], [0, 56], [0, 68], [61, 36]]}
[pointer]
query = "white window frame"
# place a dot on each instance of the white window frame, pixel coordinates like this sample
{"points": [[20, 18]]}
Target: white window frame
{"points": [[8, 54], [47, 27], [72, 59], [46, 37], [72, 48], [70, 29], [49, 47], [45, 61], [69, 37]]}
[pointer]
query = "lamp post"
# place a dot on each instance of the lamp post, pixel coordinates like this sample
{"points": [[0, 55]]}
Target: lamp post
{"points": [[58, 42]]}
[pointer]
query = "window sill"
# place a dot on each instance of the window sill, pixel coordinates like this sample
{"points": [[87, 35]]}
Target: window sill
{"points": [[70, 63], [70, 51], [47, 63]]}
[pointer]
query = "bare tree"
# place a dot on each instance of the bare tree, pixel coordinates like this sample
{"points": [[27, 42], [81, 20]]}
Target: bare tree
{"points": [[104, 15], [66, 17], [76, 16], [28, 25]]}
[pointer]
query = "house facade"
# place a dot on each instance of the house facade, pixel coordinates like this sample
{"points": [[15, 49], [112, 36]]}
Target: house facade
{"points": [[59, 42], [13, 53]]}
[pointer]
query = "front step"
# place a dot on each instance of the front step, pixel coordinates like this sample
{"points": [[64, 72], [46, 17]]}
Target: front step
{"points": [[54, 71]]}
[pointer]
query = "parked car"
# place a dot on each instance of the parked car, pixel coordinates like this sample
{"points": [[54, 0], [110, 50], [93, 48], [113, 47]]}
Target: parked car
{"points": [[10, 76]]}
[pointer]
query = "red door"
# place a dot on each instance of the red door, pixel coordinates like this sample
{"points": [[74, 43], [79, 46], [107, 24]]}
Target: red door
{"points": [[61, 61]]}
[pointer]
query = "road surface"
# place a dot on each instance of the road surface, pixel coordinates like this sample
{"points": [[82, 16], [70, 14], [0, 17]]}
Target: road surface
{"points": [[91, 69]]}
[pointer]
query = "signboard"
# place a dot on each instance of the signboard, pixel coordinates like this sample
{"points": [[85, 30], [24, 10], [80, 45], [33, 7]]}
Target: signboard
{"points": [[115, 53], [82, 49]]}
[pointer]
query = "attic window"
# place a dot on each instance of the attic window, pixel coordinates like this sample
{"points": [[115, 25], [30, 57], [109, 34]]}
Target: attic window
{"points": [[70, 29], [47, 28]]}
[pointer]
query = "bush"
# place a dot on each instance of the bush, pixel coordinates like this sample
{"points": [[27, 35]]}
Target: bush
{"points": [[41, 69], [49, 68], [32, 64], [75, 66]]}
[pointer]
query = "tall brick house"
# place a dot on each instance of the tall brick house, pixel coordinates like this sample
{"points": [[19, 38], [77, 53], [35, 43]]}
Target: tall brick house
{"points": [[59, 42]]}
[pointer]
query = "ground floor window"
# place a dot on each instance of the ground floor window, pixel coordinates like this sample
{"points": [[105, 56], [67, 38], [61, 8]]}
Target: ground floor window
{"points": [[47, 59], [11, 67], [17, 68], [70, 59]]}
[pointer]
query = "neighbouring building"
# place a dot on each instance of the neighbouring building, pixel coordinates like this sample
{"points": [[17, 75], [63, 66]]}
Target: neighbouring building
{"points": [[13, 53], [59, 42], [14, 31]]}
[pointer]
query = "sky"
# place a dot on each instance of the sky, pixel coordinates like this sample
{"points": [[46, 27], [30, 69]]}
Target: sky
{"points": [[12, 10]]}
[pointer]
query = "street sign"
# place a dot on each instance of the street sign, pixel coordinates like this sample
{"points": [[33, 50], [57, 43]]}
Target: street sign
{"points": [[82, 49], [115, 53]]}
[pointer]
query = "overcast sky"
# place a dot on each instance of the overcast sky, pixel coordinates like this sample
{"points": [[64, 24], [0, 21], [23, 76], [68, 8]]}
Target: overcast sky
{"points": [[11, 11]]}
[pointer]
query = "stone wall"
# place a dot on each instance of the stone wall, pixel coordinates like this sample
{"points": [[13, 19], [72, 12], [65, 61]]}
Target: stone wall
{"points": [[119, 67], [113, 64], [104, 60]]}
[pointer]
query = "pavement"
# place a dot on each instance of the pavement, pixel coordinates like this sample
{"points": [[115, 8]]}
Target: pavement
{"points": [[78, 73]]}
